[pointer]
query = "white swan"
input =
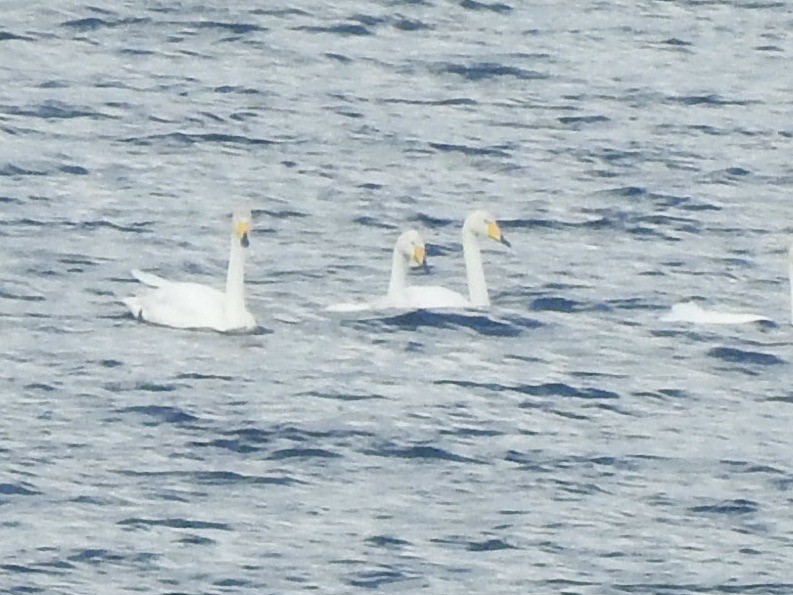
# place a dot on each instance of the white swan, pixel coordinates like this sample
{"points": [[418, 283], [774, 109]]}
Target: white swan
{"points": [[479, 224], [408, 250], [192, 305], [692, 312]]}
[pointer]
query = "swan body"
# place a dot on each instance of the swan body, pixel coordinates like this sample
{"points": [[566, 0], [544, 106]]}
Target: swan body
{"points": [[691, 312], [479, 224], [185, 305]]}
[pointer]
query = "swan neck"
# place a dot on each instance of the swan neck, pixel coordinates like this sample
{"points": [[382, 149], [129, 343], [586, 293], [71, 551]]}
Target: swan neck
{"points": [[235, 279], [474, 271], [399, 273]]}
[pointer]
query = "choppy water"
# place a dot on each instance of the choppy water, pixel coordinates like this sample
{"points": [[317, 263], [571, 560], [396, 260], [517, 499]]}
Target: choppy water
{"points": [[567, 440]]}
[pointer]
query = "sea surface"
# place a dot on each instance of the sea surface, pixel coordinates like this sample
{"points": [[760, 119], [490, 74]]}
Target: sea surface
{"points": [[565, 440]]}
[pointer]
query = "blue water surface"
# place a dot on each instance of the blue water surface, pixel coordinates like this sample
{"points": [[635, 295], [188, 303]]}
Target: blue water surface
{"points": [[566, 440]]}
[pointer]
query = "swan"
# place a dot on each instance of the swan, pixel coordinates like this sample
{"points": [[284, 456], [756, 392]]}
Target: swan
{"points": [[694, 313], [408, 250], [193, 305], [479, 224]]}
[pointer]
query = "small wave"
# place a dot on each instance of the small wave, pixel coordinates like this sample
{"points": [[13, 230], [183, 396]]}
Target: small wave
{"points": [[183, 139], [420, 452], [470, 151], [489, 545], [303, 453], [739, 356], [161, 413], [497, 7], [343, 29], [173, 523], [414, 320], [728, 507], [489, 70], [17, 489]]}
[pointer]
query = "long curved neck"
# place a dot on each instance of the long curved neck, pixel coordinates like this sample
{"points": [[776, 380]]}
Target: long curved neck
{"points": [[474, 271], [235, 278], [399, 273]]}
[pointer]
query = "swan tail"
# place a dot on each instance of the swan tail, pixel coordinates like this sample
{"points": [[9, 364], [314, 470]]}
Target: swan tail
{"points": [[148, 278]]}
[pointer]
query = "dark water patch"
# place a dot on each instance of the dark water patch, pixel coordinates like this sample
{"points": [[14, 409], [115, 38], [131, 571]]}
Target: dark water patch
{"points": [[470, 151], [557, 304], [94, 23], [95, 556], [74, 170], [17, 489], [551, 389], [417, 319], [469, 432], [727, 507], [303, 453], [21, 297], [579, 121], [674, 41], [375, 579], [497, 7], [733, 588], [6, 36], [161, 414], [464, 101], [749, 467], [338, 57], [198, 376], [411, 25], [430, 221], [236, 89], [484, 71], [197, 540], [373, 222], [230, 478], [420, 452], [234, 445], [386, 541], [9, 169], [58, 110], [710, 100], [280, 213], [341, 396], [8, 199], [236, 28], [41, 387], [173, 523], [183, 139], [489, 545], [740, 356], [342, 29]]}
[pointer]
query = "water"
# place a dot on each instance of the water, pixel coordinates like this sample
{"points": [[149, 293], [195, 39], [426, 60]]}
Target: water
{"points": [[566, 440]]}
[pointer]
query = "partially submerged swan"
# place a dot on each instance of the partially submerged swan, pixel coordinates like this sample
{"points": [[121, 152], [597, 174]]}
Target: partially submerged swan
{"points": [[193, 305]]}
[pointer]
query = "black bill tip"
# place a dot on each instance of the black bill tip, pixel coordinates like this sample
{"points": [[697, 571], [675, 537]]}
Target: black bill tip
{"points": [[505, 242], [244, 242]]}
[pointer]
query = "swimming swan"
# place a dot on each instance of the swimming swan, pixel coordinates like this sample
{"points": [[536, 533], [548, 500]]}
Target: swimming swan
{"points": [[691, 312], [408, 250], [479, 224], [192, 305]]}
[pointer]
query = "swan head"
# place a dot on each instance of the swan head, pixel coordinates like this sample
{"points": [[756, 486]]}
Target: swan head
{"points": [[411, 247], [483, 224], [241, 226]]}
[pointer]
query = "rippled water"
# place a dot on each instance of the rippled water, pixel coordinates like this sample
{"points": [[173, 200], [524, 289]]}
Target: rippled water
{"points": [[566, 440]]}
